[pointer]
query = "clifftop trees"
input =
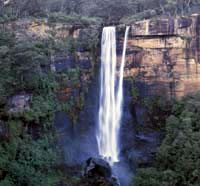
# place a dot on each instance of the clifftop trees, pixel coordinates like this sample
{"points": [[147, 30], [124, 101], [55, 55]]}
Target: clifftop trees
{"points": [[109, 10]]}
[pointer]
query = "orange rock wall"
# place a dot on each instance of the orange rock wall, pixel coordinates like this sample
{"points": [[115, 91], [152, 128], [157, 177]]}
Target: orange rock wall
{"points": [[165, 53]]}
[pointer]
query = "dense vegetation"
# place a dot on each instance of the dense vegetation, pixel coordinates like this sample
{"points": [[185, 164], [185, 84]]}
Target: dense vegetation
{"points": [[178, 161], [26, 154], [109, 10], [27, 136]]}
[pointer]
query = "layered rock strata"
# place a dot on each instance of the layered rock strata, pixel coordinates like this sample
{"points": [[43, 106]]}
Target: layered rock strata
{"points": [[164, 54]]}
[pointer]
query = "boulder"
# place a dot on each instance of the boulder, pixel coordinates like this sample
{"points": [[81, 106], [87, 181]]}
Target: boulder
{"points": [[19, 103], [98, 172], [97, 167]]}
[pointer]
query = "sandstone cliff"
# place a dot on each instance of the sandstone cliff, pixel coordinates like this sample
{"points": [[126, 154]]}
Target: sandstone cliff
{"points": [[164, 55]]}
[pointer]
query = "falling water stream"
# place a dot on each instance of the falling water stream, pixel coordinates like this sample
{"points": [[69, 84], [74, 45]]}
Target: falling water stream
{"points": [[111, 96]]}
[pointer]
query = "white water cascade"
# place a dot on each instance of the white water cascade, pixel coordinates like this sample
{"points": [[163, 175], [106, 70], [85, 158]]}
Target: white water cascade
{"points": [[111, 96]]}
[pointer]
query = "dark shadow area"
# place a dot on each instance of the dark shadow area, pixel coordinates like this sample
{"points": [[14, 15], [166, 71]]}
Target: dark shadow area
{"points": [[77, 142]]}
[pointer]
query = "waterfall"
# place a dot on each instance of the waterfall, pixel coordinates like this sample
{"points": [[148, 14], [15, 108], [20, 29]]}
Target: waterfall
{"points": [[111, 96]]}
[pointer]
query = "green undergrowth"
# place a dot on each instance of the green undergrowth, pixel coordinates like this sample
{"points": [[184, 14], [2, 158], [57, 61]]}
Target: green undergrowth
{"points": [[27, 156], [177, 161], [78, 79], [73, 19], [74, 103]]}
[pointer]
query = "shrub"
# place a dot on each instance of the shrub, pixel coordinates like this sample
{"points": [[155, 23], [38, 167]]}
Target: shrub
{"points": [[26, 156], [73, 19], [178, 160], [27, 162]]}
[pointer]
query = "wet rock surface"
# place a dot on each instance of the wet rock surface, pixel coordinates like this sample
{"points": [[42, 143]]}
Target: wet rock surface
{"points": [[97, 167], [98, 172]]}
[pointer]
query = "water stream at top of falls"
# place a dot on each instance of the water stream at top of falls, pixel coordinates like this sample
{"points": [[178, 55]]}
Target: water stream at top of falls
{"points": [[111, 96]]}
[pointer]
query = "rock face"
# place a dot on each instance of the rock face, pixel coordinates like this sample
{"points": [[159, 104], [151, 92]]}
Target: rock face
{"points": [[97, 167], [40, 28], [164, 54], [81, 66], [19, 103], [82, 59]]}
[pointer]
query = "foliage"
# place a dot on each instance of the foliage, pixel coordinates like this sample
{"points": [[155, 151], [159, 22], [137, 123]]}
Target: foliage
{"points": [[72, 180], [27, 162], [74, 106], [157, 109], [146, 14], [135, 95], [41, 107], [177, 161], [88, 40], [73, 19], [72, 11], [26, 154], [75, 103], [111, 10], [26, 157]]}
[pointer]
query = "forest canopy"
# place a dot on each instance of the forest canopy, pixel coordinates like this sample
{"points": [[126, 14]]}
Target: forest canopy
{"points": [[106, 9]]}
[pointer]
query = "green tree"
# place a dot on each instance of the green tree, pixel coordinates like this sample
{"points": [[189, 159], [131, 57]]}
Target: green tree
{"points": [[177, 161]]}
